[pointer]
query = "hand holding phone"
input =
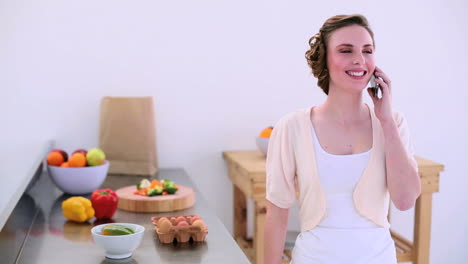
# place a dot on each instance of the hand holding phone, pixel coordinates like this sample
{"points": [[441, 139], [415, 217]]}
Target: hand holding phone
{"points": [[375, 87]]}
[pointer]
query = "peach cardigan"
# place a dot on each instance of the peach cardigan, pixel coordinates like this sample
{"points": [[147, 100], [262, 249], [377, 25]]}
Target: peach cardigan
{"points": [[291, 164]]}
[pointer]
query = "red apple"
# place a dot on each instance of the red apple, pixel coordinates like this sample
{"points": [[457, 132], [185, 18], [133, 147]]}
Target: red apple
{"points": [[64, 154], [82, 151]]}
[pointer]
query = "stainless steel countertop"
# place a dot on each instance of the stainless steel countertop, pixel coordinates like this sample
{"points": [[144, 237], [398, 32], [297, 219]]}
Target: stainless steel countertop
{"points": [[37, 232]]}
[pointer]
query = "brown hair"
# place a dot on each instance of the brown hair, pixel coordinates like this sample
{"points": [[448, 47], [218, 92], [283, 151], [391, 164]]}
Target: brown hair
{"points": [[317, 54]]}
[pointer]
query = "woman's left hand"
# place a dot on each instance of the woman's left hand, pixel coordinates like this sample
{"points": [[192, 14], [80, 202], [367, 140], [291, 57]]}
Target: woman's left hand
{"points": [[383, 106]]}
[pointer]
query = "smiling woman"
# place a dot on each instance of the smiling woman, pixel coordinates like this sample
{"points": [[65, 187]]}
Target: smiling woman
{"points": [[355, 59], [346, 159], [317, 55]]}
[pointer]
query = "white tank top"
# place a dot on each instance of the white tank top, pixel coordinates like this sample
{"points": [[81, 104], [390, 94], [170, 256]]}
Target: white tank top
{"points": [[343, 235], [339, 175]]}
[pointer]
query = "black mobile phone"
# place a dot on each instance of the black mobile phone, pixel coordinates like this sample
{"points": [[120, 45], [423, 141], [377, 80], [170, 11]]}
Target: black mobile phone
{"points": [[375, 87]]}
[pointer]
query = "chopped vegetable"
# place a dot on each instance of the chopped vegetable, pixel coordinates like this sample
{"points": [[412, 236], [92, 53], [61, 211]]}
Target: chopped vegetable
{"points": [[171, 189], [167, 183], [141, 192], [143, 184], [155, 191], [155, 187], [155, 183]]}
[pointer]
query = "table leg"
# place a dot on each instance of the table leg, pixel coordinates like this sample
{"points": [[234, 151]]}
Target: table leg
{"points": [[240, 214], [259, 230], [422, 228]]}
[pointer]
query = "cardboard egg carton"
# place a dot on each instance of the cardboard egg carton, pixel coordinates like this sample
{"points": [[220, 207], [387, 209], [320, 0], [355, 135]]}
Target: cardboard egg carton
{"points": [[183, 233]]}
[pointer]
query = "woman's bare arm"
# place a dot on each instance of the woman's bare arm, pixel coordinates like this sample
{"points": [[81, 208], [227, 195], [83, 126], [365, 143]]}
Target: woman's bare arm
{"points": [[403, 181], [276, 223]]}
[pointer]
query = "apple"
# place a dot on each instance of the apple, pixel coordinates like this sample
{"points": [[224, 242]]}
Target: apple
{"points": [[95, 157], [82, 151]]}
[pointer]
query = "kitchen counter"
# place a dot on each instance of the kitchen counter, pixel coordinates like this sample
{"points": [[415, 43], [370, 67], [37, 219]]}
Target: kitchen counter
{"points": [[37, 232]]}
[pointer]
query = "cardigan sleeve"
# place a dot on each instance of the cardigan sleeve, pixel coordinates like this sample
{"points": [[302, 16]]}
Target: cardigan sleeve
{"points": [[280, 166], [405, 136]]}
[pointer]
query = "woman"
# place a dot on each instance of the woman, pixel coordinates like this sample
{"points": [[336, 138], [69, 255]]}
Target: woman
{"points": [[343, 159]]}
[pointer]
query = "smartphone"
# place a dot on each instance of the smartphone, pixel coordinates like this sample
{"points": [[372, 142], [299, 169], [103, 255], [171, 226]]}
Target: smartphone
{"points": [[375, 87]]}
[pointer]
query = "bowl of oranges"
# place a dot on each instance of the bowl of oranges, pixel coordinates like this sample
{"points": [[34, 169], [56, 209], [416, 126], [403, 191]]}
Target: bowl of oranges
{"points": [[263, 139], [81, 173]]}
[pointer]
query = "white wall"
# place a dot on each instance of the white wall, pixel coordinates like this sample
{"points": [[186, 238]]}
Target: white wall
{"points": [[222, 71]]}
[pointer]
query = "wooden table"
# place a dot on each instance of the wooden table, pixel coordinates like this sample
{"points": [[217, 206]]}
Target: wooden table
{"points": [[246, 170]]}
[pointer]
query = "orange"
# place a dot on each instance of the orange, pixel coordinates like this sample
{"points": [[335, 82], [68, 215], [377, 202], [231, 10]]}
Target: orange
{"points": [[65, 165], [77, 160], [266, 133], [55, 158]]}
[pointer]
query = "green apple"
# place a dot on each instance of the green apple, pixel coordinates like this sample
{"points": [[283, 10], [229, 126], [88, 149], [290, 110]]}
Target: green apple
{"points": [[95, 157]]}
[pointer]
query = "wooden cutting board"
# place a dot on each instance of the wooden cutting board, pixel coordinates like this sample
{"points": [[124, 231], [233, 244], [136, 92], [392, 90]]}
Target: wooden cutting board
{"points": [[182, 199]]}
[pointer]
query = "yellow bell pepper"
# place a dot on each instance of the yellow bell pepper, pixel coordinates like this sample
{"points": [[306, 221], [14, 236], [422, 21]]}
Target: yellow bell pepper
{"points": [[78, 209]]}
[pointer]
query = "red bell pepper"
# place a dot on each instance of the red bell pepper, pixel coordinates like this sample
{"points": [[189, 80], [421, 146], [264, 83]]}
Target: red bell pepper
{"points": [[104, 203]]}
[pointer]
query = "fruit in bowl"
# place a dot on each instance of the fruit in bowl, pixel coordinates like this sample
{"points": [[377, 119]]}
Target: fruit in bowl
{"points": [[77, 174], [263, 139], [56, 157], [266, 133], [95, 157], [119, 240], [82, 151], [77, 160]]}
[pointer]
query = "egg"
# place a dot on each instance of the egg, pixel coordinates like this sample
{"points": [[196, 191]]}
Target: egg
{"points": [[182, 223], [165, 226], [195, 217], [199, 223], [173, 220], [180, 218], [162, 219]]}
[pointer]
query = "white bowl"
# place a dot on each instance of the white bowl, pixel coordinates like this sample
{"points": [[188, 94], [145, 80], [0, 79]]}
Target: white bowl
{"points": [[78, 180], [118, 247], [262, 144]]}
